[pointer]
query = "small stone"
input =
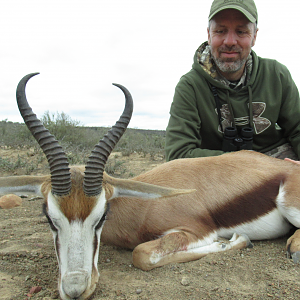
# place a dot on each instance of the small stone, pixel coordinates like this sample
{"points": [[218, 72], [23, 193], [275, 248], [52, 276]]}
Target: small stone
{"points": [[34, 290], [138, 291], [185, 281], [10, 201], [296, 257]]}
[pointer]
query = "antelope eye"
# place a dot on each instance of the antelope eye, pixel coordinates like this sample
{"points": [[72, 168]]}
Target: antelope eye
{"points": [[51, 224], [49, 219], [100, 223]]}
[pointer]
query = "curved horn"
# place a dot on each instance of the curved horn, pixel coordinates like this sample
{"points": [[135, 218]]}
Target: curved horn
{"points": [[92, 184], [58, 162]]}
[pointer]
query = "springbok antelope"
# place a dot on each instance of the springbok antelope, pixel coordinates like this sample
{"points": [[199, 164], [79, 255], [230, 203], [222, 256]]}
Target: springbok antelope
{"points": [[243, 195]]}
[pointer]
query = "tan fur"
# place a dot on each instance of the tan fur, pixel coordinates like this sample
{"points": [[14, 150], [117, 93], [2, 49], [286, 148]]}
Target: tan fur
{"points": [[109, 182], [293, 243], [218, 180], [13, 181], [46, 187], [171, 248], [206, 194], [76, 205]]}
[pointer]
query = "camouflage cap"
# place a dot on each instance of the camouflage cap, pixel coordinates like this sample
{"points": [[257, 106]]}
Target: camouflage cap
{"points": [[247, 7]]}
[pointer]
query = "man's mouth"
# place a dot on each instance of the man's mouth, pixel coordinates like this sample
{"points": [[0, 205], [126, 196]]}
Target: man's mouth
{"points": [[229, 54]]}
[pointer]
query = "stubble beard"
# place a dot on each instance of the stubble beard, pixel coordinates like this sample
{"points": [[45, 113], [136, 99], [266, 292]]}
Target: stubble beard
{"points": [[229, 65]]}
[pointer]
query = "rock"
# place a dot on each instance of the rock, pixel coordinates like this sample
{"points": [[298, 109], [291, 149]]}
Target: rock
{"points": [[10, 201], [296, 257], [185, 281], [34, 290]]}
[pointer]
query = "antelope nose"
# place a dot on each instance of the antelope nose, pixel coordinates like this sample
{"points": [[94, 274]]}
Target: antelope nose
{"points": [[75, 283]]}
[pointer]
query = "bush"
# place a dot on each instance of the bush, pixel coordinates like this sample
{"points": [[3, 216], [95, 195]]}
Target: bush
{"points": [[62, 127], [77, 141]]}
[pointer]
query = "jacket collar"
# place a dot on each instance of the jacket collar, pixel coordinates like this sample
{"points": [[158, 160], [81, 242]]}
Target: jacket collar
{"points": [[204, 58]]}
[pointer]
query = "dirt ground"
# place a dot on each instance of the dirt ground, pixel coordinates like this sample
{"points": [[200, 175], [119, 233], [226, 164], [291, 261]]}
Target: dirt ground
{"points": [[27, 259]]}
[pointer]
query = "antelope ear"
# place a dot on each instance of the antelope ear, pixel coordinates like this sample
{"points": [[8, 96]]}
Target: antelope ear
{"points": [[15, 184], [132, 188]]}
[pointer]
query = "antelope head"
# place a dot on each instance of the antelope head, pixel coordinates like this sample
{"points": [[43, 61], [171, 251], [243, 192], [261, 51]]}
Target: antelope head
{"points": [[75, 202]]}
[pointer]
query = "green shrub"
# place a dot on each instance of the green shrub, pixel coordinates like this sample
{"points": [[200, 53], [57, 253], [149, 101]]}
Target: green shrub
{"points": [[9, 165], [62, 127], [77, 141]]}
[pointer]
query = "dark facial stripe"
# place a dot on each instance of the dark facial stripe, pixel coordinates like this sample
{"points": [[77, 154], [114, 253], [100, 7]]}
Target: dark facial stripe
{"points": [[48, 218], [57, 245], [100, 223], [95, 245], [248, 206]]}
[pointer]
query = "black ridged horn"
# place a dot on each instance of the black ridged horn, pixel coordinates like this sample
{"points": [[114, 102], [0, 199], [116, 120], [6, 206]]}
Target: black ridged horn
{"points": [[92, 184], [58, 162]]}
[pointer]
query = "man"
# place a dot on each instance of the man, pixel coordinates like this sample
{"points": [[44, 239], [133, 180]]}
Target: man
{"points": [[230, 89]]}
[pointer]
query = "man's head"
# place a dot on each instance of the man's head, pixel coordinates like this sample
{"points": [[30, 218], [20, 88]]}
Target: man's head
{"points": [[231, 34], [247, 7]]}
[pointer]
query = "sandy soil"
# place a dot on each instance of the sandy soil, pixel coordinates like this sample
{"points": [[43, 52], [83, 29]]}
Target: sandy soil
{"points": [[27, 259]]}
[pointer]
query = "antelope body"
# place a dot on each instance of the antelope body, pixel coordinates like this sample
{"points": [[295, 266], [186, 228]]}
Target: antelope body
{"points": [[243, 195]]}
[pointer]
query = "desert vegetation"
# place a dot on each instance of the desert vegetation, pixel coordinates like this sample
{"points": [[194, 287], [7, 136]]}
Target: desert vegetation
{"points": [[77, 141]]}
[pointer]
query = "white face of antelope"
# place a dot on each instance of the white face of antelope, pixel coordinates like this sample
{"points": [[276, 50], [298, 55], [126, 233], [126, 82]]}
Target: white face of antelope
{"points": [[76, 218], [76, 225]]}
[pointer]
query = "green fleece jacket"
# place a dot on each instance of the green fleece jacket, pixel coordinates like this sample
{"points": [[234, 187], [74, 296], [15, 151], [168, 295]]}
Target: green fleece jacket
{"points": [[194, 131]]}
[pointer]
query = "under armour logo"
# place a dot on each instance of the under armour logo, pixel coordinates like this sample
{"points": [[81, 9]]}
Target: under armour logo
{"points": [[260, 124]]}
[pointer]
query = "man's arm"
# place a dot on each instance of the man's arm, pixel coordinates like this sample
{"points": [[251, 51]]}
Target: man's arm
{"points": [[183, 139]]}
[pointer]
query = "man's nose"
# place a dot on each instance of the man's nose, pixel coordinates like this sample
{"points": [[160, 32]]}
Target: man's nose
{"points": [[230, 39]]}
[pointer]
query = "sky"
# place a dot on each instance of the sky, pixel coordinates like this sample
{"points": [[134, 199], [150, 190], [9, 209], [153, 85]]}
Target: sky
{"points": [[81, 47]]}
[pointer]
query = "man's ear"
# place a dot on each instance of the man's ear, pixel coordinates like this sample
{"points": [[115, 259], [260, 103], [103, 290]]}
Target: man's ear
{"points": [[254, 37], [208, 36]]}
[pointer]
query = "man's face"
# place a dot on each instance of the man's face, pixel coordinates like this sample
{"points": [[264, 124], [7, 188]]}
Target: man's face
{"points": [[231, 36]]}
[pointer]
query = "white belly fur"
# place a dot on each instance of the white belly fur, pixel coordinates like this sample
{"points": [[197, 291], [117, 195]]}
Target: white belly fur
{"points": [[269, 226]]}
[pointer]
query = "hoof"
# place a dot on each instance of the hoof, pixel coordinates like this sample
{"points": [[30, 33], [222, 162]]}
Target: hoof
{"points": [[249, 244], [296, 257]]}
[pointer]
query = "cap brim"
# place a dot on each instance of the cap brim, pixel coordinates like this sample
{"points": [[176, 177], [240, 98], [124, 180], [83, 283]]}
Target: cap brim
{"points": [[242, 10]]}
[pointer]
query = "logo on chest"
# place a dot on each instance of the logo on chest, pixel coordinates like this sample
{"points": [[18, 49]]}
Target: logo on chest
{"points": [[260, 123]]}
